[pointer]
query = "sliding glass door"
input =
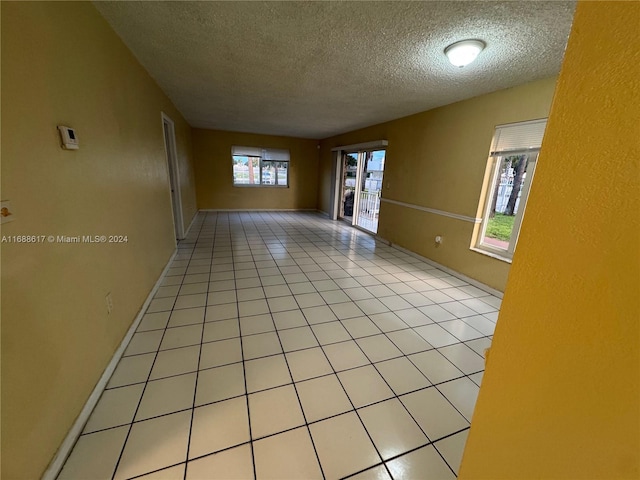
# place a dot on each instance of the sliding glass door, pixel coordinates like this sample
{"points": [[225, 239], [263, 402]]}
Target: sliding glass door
{"points": [[361, 188]]}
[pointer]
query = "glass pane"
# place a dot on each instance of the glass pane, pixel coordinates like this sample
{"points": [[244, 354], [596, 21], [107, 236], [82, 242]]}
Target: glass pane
{"points": [[349, 183], [274, 173], [246, 170], [505, 200], [369, 201]]}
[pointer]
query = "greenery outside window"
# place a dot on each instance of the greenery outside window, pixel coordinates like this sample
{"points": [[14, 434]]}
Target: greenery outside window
{"points": [[512, 162], [260, 166]]}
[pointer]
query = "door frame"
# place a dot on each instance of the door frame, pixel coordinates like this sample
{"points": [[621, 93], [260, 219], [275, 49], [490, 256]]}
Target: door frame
{"points": [[171, 155], [338, 169]]}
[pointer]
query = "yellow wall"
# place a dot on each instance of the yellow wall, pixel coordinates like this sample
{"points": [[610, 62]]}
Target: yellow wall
{"points": [[214, 172], [437, 159], [560, 396], [62, 64]]}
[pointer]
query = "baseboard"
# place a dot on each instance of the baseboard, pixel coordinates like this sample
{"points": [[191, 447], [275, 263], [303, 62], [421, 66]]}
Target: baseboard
{"points": [[186, 233], [450, 271], [54, 468]]}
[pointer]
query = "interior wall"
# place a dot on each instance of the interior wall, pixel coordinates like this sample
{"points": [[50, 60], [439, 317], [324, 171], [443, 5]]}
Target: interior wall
{"points": [[561, 393], [437, 159], [214, 172], [63, 65]]}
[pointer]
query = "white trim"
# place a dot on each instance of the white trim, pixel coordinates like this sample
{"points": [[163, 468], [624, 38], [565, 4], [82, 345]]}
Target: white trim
{"points": [[450, 271], [258, 210], [174, 171], [55, 467], [434, 211], [362, 146], [491, 254], [186, 234]]}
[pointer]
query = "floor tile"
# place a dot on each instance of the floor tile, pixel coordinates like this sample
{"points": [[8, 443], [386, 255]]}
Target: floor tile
{"points": [[153, 321], [331, 332], [171, 473], [190, 301], [478, 305], [221, 312], [274, 411], [188, 316], [378, 348], [256, 324], [451, 448], [463, 357], [458, 309], [95, 455], [392, 429], [193, 288], [413, 317], [297, 339], [310, 363], [175, 362], [221, 297], [282, 304], [345, 355], [346, 310], [289, 319], [435, 366], [220, 383], [375, 473], [322, 397], [223, 352], [436, 335], [402, 375], [301, 462], [144, 342], [364, 386], [218, 426], [422, 463], [388, 322], [132, 370], [477, 378], [409, 341], [181, 337], [320, 314], [116, 407], [462, 393], [253, 307], [154, 444], [221, 330], [161, 305], [360, 327], [434, 414], [306, 300], [343, 445], [167, 395], [481, 323], [267, 372]]}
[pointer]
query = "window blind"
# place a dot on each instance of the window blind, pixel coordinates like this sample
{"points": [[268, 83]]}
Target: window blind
{"points": [[274, 154], [518, 136]]}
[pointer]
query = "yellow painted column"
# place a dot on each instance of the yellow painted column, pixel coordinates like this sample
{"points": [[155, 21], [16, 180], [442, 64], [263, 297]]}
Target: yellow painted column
{"points": [[560, 396]]}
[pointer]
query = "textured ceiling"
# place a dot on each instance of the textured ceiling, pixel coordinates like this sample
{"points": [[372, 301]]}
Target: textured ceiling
{"points": [[315, 69]]}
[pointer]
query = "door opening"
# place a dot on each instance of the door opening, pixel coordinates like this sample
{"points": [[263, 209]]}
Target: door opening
{"points": [[169, 134], [361, 185]]}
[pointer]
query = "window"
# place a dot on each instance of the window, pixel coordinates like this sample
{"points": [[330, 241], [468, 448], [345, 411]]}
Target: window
{"points": [[260, 166], [512, 162]]}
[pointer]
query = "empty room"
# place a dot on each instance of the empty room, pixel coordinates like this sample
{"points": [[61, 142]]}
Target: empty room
{"points": [[320, 240]]}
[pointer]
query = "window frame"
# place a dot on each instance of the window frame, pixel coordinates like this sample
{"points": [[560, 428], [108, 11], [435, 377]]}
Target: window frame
{"points": [[520, 138], [496, 160], [263, 152]]}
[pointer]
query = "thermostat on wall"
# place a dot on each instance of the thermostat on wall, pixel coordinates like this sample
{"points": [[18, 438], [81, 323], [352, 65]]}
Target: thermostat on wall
{"points": [[69, 139]]}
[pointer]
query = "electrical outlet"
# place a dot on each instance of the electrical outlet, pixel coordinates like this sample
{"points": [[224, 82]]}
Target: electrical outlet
{"points": [[109, 303]]}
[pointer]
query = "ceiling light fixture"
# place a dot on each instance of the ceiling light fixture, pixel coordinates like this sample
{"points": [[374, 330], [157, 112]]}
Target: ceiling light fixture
{"points": [[464, 52]]}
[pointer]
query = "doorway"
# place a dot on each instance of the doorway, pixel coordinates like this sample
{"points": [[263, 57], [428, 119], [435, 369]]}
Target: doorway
{"points": [[169, 134], [362, 173]]}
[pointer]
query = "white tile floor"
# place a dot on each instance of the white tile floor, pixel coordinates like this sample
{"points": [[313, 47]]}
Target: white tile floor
{"points": [[284, 345]]}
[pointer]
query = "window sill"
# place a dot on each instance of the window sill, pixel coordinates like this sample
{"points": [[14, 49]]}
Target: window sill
{"points": [[497, 256]]}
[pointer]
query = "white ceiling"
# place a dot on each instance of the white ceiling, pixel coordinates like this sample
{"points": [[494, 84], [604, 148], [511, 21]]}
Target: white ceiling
{"points": [[316, 69]]}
